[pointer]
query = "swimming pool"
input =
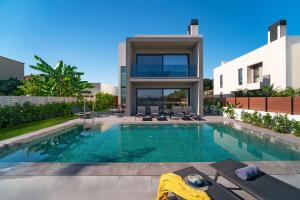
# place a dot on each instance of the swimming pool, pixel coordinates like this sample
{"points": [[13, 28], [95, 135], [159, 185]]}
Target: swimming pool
{"points": [[148, 143]]}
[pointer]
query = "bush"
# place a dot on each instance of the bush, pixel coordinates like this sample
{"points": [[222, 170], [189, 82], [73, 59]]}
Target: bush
{"points": [[20, 114], [246, 117], [229, 111], [279, 123], [256, 119], [267, 121], [296, 128], [104, 101]]}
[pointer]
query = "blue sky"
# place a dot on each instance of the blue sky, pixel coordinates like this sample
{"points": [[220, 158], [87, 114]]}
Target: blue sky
{"points": [[86, 33]]}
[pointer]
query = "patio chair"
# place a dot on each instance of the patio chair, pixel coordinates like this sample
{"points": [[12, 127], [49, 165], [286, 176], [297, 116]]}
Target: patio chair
{"points": [[263, 186], [215, 190], [177, 112], [141, 111], [188, 110], [154, 111]]}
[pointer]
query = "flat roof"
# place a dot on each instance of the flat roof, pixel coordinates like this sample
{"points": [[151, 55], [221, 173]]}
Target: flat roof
{"points": [[2, 57]]}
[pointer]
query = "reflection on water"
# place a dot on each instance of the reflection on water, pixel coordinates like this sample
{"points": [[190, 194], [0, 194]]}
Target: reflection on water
{"points": [[148, 143]]}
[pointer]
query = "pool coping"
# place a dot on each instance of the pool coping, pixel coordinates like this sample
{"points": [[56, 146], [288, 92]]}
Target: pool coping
{"points": [[133, 169]]}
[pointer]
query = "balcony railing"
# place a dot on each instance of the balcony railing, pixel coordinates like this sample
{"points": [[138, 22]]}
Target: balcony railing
{"points": [[171, 71]]}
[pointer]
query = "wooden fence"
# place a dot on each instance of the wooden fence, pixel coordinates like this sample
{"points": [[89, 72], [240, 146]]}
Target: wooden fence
{"points": [[11, 100], [289, 105]]}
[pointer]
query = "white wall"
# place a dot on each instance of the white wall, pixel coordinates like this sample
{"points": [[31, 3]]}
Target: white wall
{"points": [[293, 61], [273, 57], [121, 62], [108, 88]]}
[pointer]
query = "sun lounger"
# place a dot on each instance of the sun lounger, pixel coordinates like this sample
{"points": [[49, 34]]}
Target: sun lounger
{"points": [[154, 111], [76, 111], [177, 112], [215, 191], [263, 186], [141, 111]]}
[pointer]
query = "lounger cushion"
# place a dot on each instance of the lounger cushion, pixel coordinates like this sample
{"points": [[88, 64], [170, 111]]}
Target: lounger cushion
{"points": [[262, 186]]}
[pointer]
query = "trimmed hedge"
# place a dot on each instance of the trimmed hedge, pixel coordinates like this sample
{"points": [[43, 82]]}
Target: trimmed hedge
{"points": [[279, 123], [20, 114]]}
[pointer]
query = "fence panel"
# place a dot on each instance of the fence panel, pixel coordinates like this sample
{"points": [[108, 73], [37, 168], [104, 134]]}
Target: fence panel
{"points": [[230, 100], [12, 100], [257, 103], [242, 102], [280, 104], [296, 106]]}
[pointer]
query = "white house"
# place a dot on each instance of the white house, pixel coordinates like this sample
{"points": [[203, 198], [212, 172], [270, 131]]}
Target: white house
{"points": [[277, 62]]}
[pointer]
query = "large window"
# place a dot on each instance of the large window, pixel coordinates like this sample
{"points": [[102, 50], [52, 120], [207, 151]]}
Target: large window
{"points": [[163, 97], [254, 73], [240, 76], [165, 65], [123, 85]]}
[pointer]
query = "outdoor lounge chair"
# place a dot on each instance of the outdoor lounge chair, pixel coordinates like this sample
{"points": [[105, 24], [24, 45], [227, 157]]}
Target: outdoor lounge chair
{"points": [[154, 111], [263, 186], [215, 191], [141, 111], [76, 111], [177, 112], [188, 110]]}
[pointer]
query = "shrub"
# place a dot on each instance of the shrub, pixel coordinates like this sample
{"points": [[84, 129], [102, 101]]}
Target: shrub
{"points": [[104, 101], [19, 114], [281, 124], [246, 117], [267, 121], [229, 111], [256, 119], [296, 127]]}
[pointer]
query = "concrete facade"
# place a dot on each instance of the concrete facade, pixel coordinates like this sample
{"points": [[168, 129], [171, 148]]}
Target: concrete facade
{"points": [[279, 62], [11, 68], [190, 44]]}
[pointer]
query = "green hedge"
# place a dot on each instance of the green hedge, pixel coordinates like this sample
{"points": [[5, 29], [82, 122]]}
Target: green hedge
{"points": [[279, 123], [20, 114]]}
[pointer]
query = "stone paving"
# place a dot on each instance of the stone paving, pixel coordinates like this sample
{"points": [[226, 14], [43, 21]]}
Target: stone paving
{"points": [[117, 180]]}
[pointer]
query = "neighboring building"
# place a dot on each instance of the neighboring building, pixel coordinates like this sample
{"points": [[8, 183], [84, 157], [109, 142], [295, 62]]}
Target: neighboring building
{"points": [[11, 68], [277, 62], [162, 70], [103, 87]]}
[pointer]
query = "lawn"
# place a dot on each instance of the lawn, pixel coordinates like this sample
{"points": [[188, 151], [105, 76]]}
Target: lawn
{"points": [[21, 129]]}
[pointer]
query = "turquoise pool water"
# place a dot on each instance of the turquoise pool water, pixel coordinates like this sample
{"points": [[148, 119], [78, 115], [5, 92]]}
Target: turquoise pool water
{"points": [[148, 143]]}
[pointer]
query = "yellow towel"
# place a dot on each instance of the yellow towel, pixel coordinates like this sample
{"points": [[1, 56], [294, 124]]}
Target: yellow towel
{"points": [[173, 183]]}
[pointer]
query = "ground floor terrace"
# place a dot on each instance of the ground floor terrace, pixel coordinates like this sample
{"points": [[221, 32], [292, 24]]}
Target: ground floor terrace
{"points": [[34, 180]]}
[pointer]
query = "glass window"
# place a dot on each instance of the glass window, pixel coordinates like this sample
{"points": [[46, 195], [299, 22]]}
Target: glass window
{"points": [[221, 81], [162, 97], [161, 65], [123, 76], [123, 96], [256, 74], [240, 76], [176, 97], [175, 65]]}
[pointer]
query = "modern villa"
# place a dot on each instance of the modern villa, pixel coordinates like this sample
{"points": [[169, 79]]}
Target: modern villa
{"points": [[11, 69], [162, 70], [277, 63]]}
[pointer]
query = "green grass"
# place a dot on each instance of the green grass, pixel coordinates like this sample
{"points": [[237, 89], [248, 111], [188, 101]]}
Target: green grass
{"points": [[21, 129]]}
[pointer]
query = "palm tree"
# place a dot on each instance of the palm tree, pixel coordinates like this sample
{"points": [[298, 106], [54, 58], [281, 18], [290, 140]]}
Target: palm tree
{"points": [[290, 92], [63, 80]]}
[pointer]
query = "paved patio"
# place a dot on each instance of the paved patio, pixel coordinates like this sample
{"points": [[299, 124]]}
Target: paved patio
{"points": [[116, 180]]}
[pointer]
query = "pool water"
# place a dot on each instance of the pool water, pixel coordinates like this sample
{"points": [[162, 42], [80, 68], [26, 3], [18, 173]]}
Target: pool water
{"points": [[148, 143]]}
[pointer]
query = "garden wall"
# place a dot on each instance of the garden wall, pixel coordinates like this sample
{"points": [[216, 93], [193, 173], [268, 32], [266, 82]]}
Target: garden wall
{"points": [[288, 105], [12, 100]]}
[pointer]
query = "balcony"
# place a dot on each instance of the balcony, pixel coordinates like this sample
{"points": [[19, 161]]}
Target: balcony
{"points": [[158, 71]]}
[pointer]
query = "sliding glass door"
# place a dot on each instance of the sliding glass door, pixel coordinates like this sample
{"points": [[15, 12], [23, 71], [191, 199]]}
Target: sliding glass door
{"points": [[165, 98]]}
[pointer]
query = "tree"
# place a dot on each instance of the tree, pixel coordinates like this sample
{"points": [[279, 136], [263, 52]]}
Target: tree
{"points": [[269, 90], [63, 80], [10, 86], [207, 84]]}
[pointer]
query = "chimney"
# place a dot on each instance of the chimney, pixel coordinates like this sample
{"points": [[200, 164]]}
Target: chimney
{"points": [[193, 27], [277, 30]]}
